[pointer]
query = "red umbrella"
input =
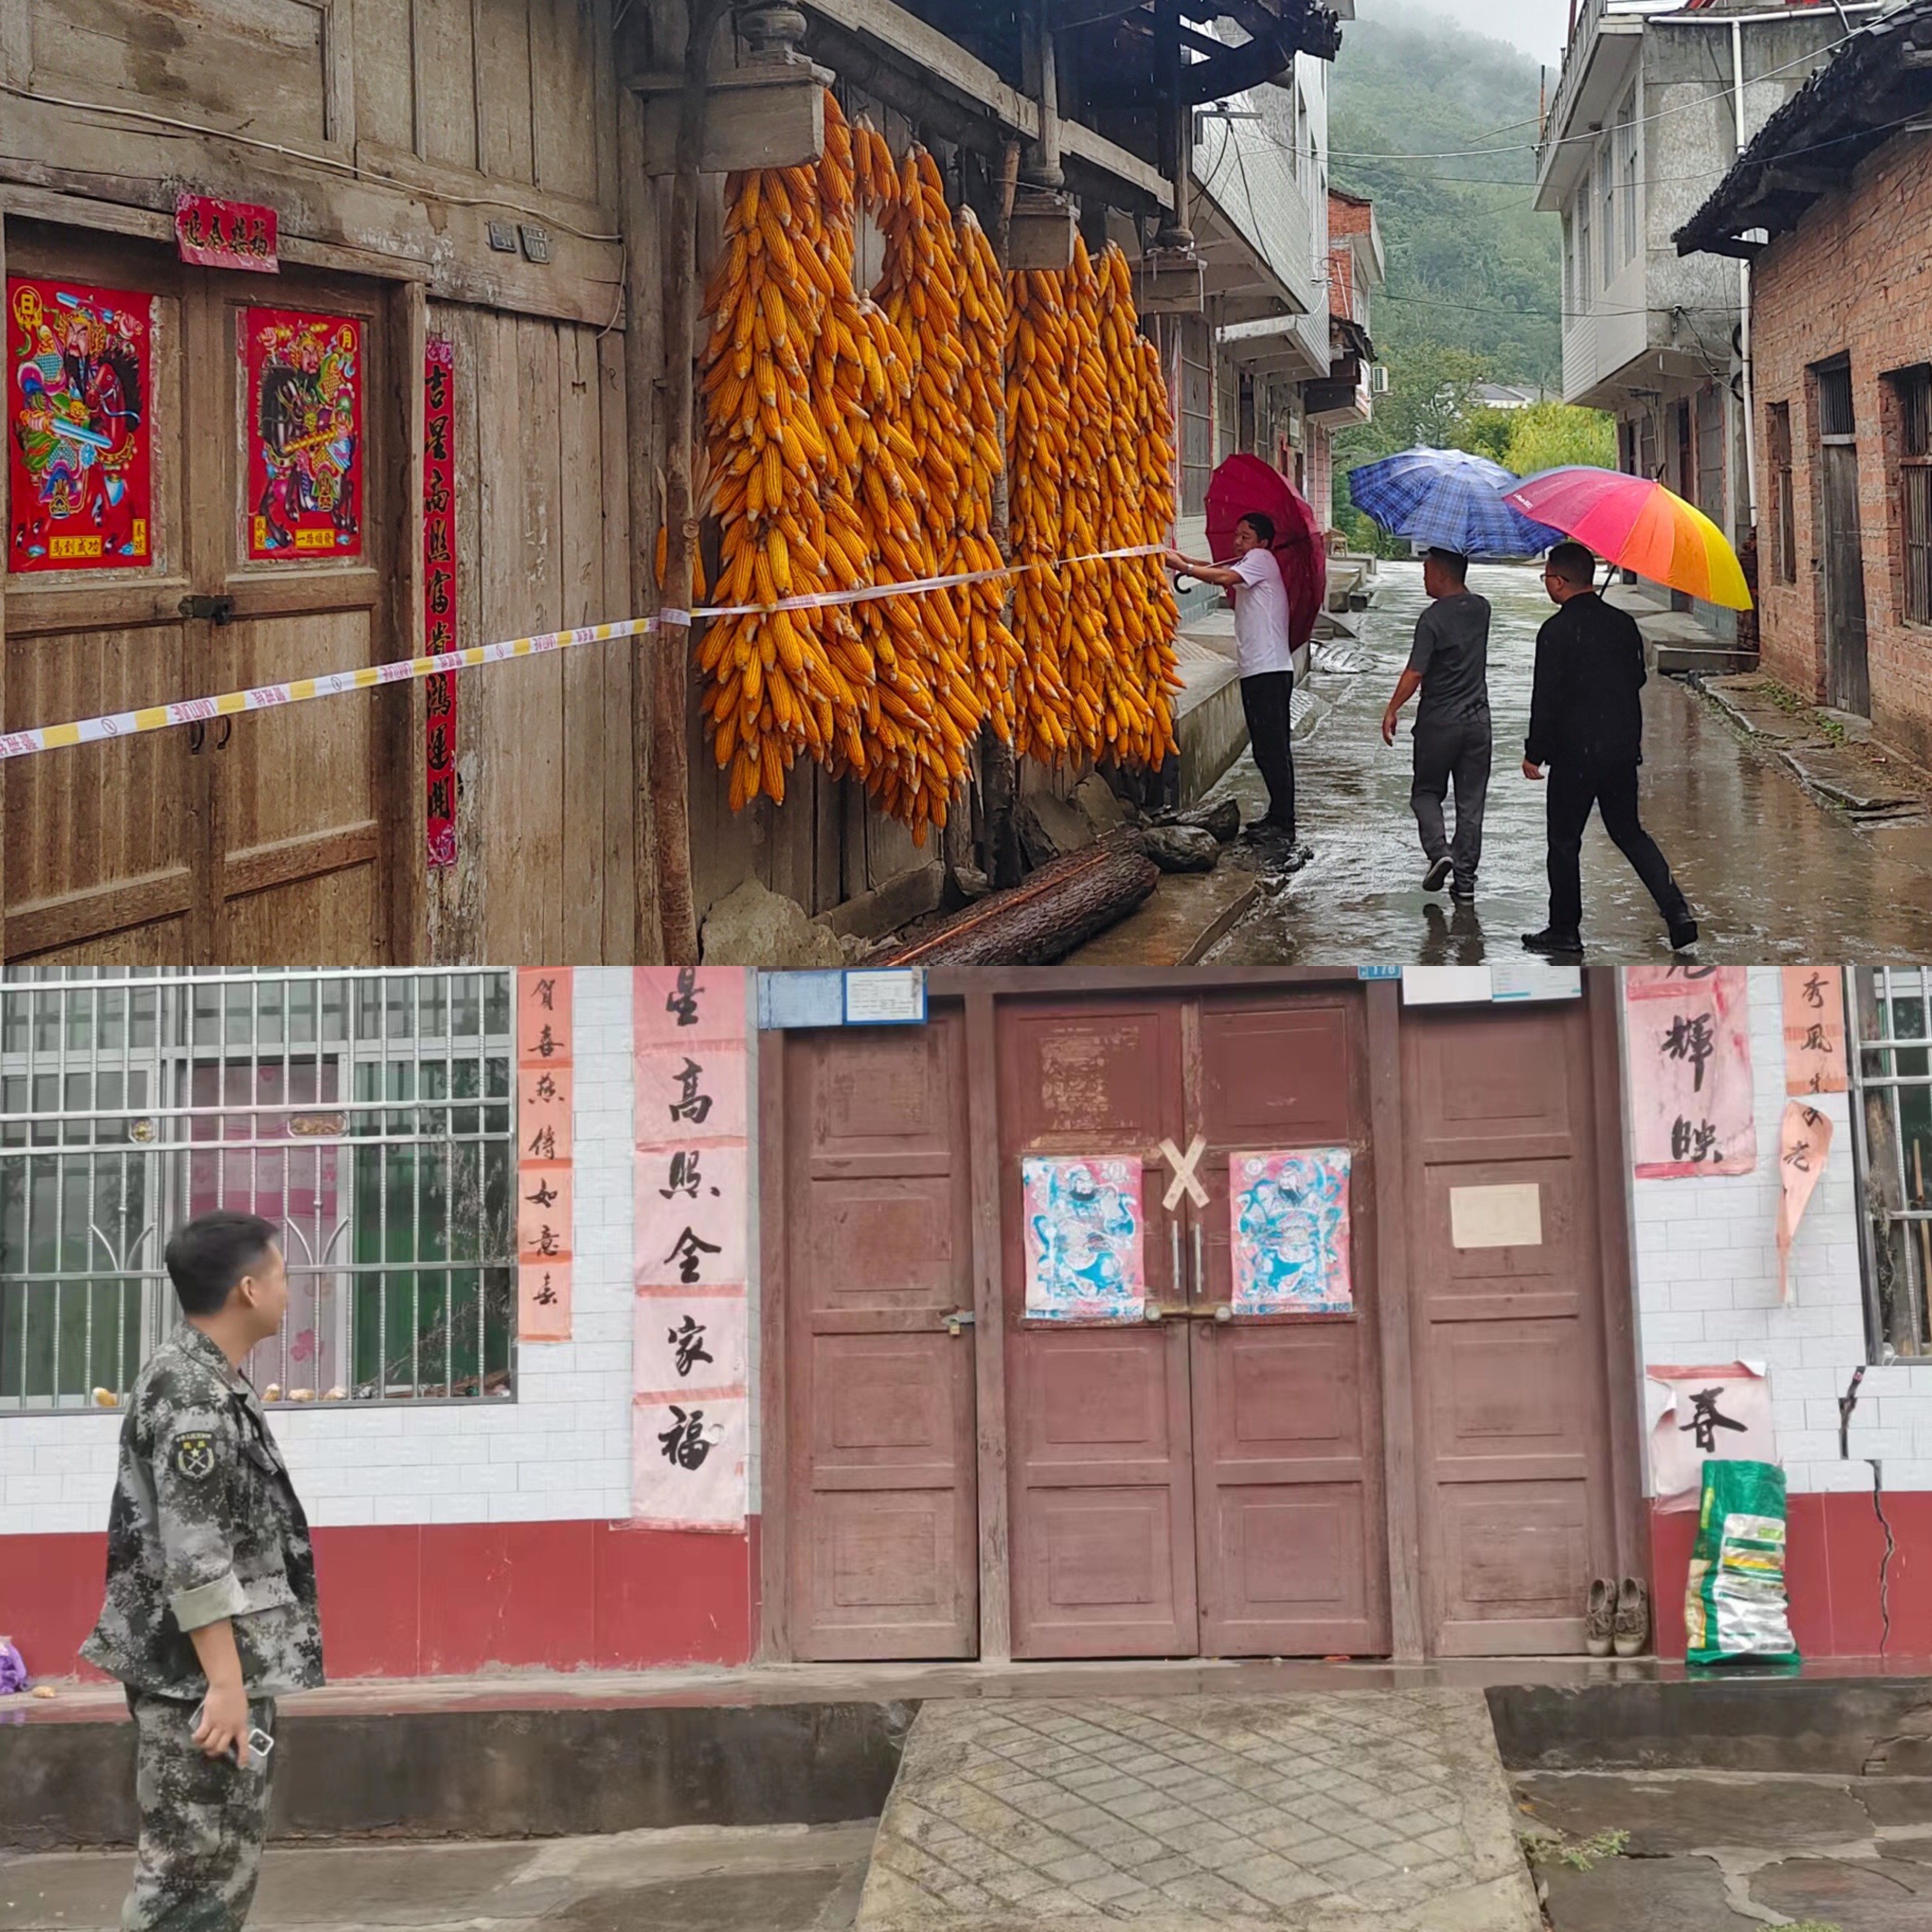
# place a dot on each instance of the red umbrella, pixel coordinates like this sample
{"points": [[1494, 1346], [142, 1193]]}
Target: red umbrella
{"points": [[1245, 483]]}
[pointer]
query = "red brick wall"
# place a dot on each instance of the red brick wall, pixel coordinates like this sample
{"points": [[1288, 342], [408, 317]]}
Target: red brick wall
{"points": [[1856, 277]]}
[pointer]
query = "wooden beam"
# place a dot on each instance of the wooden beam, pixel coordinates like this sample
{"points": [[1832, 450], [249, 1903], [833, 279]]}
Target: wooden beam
{"points": [[1388, 1139], [928, 55], [989, 1324], [1621, 1350], [773, 1643], [926, 48]]}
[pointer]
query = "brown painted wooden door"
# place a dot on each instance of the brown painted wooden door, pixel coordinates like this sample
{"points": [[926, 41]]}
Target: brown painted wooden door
{"points": [[1099, 1422], [1288, 1508], [1190, 1485], [882, 1496], [254, 839], [1513, 1379], [1847, 669]]}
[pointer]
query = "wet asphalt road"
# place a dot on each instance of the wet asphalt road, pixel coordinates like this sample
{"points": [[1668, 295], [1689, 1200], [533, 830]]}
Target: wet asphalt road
{"points": [[1770, 873]]}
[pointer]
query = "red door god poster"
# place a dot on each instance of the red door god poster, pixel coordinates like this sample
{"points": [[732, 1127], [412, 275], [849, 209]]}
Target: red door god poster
{"points": [[79, 377], [304, 432]]}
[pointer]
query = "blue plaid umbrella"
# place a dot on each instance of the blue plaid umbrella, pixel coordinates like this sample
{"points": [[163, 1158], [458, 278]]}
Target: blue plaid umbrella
{"points": [[1451, 499]]}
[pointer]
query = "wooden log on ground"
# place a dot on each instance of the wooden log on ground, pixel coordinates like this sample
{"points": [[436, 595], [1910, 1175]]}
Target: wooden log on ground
{"points": [[1060, 907]]}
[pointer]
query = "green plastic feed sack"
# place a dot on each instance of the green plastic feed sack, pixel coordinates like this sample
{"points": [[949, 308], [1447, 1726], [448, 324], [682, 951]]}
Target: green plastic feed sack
{"points": [[1735, 1607]]}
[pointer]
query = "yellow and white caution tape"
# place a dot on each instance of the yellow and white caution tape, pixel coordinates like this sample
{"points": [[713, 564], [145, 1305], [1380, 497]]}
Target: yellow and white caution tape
{"points": [[404, 671]]}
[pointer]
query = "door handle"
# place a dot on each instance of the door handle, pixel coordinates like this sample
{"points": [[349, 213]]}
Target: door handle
{"points": [[1156, 1311], [213, 610], [1200, 1267], [958, 1320], [227, 731], [1174, 1236]]}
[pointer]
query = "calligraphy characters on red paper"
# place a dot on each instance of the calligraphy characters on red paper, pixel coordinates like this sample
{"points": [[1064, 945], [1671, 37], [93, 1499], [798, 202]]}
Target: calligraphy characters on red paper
{"points": [[305, 433], [215, 234], [439, 597], [80, 368]]}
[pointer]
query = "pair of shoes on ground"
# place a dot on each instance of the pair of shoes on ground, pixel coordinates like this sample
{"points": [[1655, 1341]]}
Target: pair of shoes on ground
{"points": [[1438, 876], [1561, 945], [1617, 1617]]}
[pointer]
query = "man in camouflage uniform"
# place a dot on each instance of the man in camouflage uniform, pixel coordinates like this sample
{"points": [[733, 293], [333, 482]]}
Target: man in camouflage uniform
{"points": [[210, 1610]]}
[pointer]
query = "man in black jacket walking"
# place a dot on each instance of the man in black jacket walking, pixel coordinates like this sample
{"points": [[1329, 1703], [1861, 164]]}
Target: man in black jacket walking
{"points": [[1586, 726]]}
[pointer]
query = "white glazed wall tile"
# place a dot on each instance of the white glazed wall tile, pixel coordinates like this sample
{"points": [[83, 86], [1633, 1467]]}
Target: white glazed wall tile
{"points": [[560, 1450], [1705, 1258]]}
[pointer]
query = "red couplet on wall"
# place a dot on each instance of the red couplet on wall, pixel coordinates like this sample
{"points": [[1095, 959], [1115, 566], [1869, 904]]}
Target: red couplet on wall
{"points": [[304, 434], [216, 234], [440, 595], [79, 383]]}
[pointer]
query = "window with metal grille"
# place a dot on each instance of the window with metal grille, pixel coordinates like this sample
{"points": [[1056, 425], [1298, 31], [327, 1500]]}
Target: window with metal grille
{"points": [[1783, 513], [368, 1115], [1632, 137], [1891, 1130], [1836, 416], [1912, 388], [1606, 183], [1711, 454]]}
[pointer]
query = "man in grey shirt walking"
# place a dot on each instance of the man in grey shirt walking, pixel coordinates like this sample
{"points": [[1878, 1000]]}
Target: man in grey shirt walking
{"points": [[1450, 664]]}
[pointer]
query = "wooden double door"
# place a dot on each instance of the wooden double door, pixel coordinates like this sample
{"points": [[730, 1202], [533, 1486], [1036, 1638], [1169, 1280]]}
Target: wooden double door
{"points": [[1198, 1483], [266, 836], [949, 1477]]}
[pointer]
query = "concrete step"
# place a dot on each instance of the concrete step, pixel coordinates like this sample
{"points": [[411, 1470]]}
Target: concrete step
{"points": [[1345, 1812]]}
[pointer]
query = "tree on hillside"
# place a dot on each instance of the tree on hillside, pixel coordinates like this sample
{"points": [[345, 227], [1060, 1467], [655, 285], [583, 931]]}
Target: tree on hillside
{"points": [[1486, 433], [1429, 387], [1472, 265], [1545, 436]]}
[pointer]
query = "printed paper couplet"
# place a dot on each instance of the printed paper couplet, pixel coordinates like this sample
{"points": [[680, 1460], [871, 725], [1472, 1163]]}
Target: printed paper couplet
{"points": [[1697, 1414], [545, 1078], [1805, 1146], [439, 597], [1814, 1030], [690, 1416], [1691, 1071], [304, 433], [79, 380], [215, 234]]}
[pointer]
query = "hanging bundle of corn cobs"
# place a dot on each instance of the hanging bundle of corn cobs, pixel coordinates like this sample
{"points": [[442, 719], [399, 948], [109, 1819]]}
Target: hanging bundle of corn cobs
{"points": [[854, 442], [1091, 472]]}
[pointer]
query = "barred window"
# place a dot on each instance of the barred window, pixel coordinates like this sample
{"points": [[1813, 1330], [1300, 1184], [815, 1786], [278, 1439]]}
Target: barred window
{"points": [[1891, 1127], [1784, 511], [368, 1115], [1913, 389]]}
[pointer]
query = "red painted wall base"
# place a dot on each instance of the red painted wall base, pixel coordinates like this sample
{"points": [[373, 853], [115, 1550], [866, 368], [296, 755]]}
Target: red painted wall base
{"points": [[444, 1600], [1835, 1550]]}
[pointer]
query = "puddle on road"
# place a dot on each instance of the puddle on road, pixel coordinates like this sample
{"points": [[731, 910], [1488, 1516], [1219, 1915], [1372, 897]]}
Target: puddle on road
{"points": [[1771, 874]]}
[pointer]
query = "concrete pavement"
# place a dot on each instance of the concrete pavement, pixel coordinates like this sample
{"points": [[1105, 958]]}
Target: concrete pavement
{"points": [[1772, 874], [1350, 1812], [701, 1879], [1716, 1850]]}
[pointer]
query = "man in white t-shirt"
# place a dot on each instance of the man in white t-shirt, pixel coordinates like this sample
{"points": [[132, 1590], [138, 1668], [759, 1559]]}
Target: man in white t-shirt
{"points": [[1264, 654]]}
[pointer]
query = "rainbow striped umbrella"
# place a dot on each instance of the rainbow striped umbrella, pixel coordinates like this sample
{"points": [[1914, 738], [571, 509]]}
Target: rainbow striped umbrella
{"points": [[1640, 526]]}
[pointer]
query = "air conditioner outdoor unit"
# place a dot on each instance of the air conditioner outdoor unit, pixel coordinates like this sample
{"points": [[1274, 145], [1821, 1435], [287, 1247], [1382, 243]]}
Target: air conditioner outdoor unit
{"points": [[1379, 381]]}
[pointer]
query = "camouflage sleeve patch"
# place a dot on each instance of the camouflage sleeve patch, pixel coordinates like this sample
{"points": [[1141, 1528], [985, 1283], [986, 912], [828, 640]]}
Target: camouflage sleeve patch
{"points": [[194, 1505], [194, 1457]]}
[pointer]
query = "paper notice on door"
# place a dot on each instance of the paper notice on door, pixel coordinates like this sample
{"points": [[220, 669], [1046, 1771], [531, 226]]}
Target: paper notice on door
{"points": [[1496, 1217]]}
